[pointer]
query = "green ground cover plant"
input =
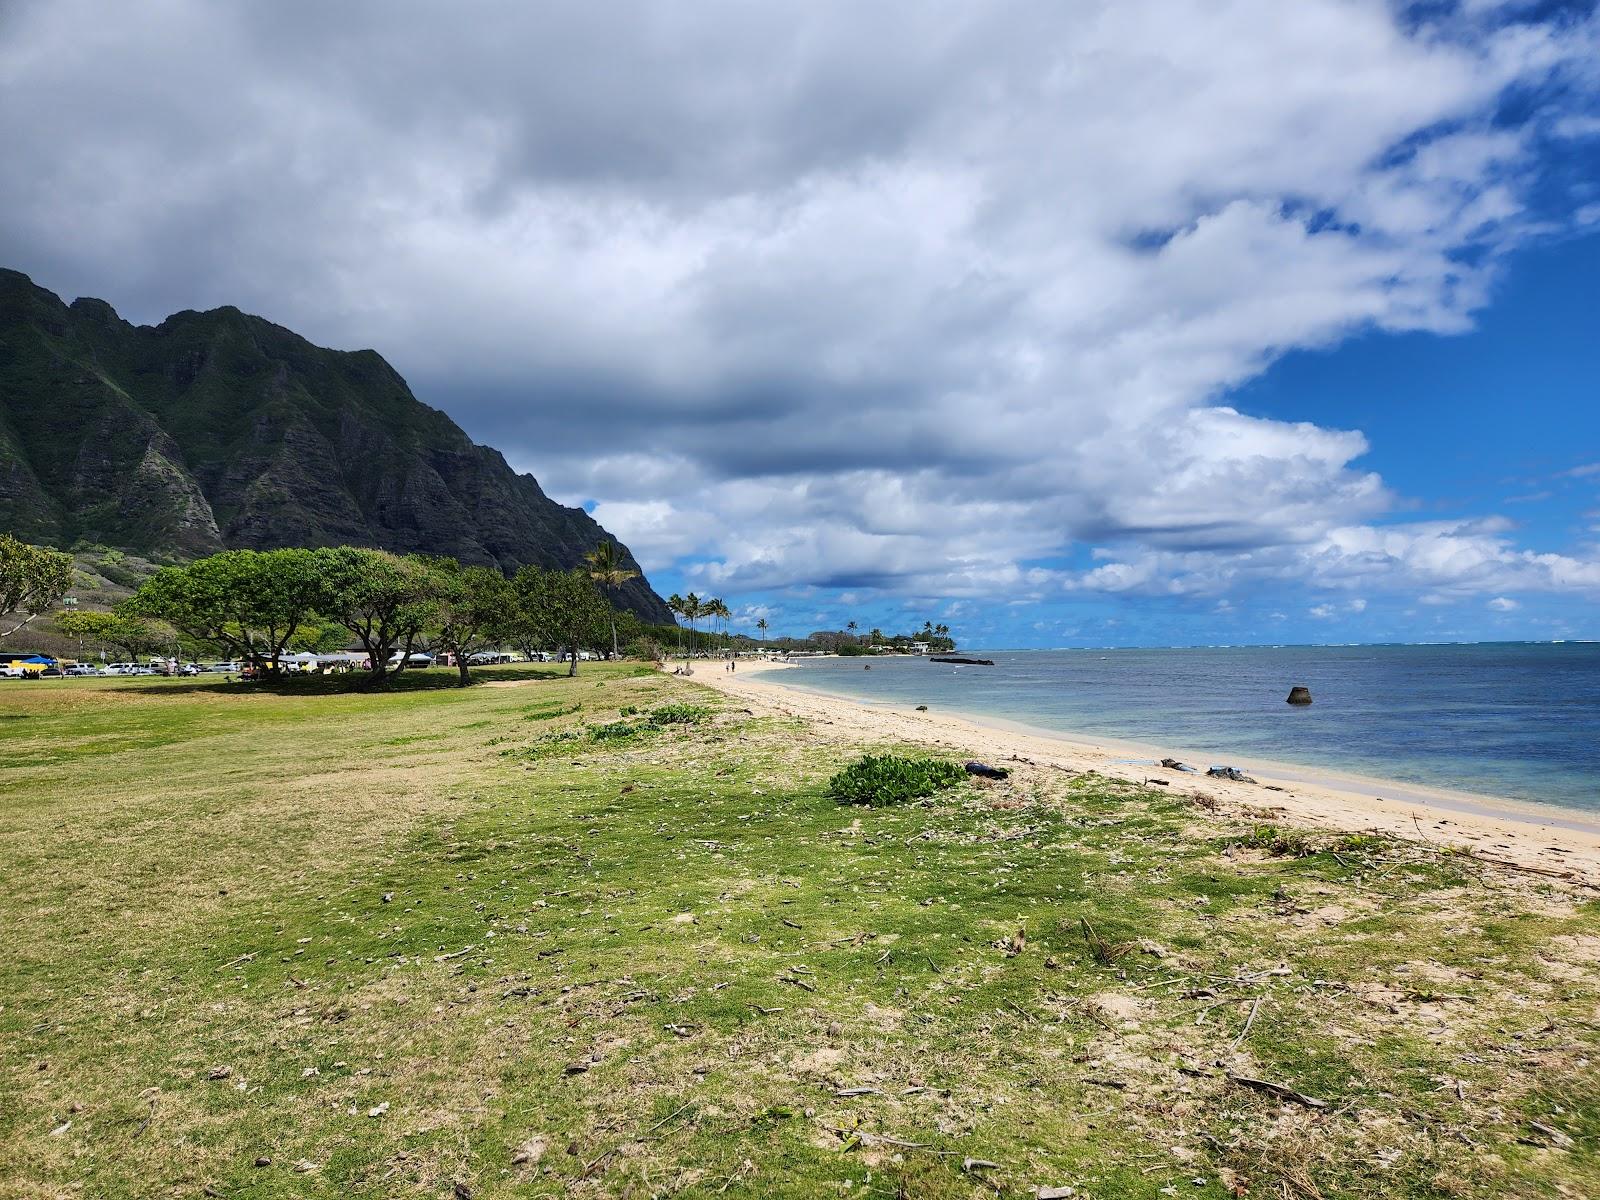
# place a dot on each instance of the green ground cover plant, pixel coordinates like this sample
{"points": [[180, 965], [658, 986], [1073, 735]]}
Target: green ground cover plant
{"points": [[885, 779], [277, 943]]}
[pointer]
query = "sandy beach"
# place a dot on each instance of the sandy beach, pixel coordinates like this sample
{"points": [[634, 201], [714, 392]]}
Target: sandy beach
{"points": [[1562, 842]]}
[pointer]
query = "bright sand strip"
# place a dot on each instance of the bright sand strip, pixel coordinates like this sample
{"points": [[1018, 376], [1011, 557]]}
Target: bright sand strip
{"points": [[1560, 841]]}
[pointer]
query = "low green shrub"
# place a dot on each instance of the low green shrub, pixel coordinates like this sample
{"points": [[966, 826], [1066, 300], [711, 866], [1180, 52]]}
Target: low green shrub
{"points": [[680, 714], [616, 731], [1277, 842], [885, 779], [550, 712]]}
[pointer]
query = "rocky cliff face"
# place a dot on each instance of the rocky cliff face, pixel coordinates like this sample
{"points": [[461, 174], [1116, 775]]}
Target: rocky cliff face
{"points": [[217, 430]]}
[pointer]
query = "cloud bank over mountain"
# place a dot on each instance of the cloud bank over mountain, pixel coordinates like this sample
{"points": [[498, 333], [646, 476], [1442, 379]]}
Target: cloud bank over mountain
{"points": [[911, 299]]}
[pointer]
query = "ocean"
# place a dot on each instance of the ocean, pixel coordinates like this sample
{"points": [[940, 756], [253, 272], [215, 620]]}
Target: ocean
{"points": [[1520, 720]]}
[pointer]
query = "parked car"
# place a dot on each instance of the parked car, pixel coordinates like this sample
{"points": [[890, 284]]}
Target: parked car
{"points": [[81, 669], [122, 668]]}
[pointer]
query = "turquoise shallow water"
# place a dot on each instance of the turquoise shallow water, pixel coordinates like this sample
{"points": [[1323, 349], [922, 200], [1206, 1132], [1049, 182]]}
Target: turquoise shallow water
{"points": [[1508, 719]]}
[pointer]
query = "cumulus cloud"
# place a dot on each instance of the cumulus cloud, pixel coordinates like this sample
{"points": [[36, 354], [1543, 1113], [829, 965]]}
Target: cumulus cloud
{"points": [[1503, 604], [1448, 559], [909, 297]]}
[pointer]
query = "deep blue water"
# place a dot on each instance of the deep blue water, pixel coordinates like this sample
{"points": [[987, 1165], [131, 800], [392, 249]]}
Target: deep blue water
{"points": [[1510, 719]]}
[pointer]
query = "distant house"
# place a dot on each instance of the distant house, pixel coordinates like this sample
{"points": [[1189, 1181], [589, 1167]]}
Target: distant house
{"points": [[921, 648]]}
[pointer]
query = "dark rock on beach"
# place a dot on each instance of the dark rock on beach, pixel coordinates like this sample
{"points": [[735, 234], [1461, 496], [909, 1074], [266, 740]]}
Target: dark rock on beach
{"points": [[1233, 773], [985, 771], [966, 662]]}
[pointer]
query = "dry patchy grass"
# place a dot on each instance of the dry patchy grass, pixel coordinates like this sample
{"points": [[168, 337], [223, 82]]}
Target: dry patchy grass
{"points": [[374, 940]]}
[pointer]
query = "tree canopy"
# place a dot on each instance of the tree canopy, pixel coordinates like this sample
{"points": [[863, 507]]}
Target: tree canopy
{"points": [[249, 602], [32, 581]]}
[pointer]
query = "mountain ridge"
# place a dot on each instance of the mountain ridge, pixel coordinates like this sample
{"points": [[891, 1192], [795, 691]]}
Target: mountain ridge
{"points": [[218, 429]]}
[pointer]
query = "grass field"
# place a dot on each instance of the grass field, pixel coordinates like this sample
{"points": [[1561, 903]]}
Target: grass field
{"points": [[526, 940]]}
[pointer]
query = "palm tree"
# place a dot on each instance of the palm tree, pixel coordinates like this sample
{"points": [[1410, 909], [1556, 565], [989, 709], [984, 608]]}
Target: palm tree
{"points": [[762, 626], [943, 631], [676, 603], [719, 611], [693, 609], [606, 569], [875, 636], [851, 626]]}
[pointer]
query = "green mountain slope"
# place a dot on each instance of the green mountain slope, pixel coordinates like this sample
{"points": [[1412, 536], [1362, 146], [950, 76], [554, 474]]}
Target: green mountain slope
{"points": [[219, 429]]}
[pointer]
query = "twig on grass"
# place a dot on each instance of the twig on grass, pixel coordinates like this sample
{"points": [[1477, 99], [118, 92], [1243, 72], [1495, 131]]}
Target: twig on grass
{"points": [[1248, 1021], [1275, 1089]]}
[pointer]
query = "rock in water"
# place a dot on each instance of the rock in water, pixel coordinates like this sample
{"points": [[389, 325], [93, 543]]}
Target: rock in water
{"points": [[1299, 694]]}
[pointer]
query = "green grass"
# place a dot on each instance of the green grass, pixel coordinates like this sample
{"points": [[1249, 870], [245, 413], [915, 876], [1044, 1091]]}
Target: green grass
{"points": [[662, 962]]}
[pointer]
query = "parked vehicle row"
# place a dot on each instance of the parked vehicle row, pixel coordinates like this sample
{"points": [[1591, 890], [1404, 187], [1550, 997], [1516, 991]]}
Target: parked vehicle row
{"points": [[44, 667]]}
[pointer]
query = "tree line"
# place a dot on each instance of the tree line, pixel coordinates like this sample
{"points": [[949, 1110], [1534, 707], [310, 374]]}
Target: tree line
{"points": [[257, 606]]}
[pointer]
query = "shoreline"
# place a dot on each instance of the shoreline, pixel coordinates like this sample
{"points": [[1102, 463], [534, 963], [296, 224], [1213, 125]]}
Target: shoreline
{"points": [[1537, 837]]}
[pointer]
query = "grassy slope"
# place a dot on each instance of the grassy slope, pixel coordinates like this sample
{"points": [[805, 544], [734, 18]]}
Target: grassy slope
{"points": [[678, 954]]}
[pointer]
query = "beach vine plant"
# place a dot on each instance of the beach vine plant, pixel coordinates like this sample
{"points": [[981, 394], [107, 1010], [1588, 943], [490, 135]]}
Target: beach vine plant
{"points": [[880, 780]]}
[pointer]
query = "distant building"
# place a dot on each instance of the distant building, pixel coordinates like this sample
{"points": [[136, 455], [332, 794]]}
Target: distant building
{"points": [[920, 647]]}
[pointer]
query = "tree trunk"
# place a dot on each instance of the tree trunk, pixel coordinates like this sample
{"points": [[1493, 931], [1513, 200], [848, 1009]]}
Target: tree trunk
{"points": [[461, 662], [572, 667]]}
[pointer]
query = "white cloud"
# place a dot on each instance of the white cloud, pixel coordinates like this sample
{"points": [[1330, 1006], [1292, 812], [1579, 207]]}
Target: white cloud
{"points": [[840, 297], [1503, 604], [1446, 558]]}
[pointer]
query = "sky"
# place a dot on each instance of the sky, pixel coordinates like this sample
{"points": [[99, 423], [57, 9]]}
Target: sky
{"points": [[1137, 322]]}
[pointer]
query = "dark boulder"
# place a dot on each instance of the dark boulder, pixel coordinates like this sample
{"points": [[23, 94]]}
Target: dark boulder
{"points": [[966, 662], [1229, 773], [1299, 694], [985, 771]]}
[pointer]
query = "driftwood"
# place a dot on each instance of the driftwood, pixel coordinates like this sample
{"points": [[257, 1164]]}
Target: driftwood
{"points": [[1276, 1089]]}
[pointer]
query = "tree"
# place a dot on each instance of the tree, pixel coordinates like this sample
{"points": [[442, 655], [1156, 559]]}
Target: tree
{"points": [[606, 569], [851, 626], [130, 636], [679, 607], [762, 626], [718, 612], [525, 625], [319, 636], [472, 603], [32, 581], [249, 602], [565, 607], [693, 610], [382, 598]]}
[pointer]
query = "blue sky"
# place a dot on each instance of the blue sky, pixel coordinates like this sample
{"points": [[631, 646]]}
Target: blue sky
{"points": [[1112, 322]]}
